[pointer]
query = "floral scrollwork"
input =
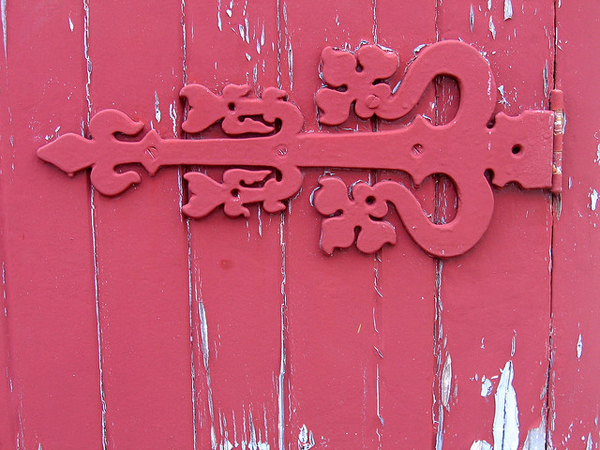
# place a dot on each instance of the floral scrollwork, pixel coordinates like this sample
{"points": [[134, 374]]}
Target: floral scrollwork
{"points": [[239, 188], [350, 215]]}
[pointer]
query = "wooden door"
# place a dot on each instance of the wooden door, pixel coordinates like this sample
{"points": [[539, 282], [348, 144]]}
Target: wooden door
{"points": [[129, 324]]}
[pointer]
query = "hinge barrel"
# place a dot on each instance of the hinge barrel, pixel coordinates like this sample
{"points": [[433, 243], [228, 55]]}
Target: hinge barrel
{"points": [[557, 105]]}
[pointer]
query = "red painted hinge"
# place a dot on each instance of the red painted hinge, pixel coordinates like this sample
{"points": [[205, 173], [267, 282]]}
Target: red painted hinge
{"points": [[558, 107], [272, 148]]}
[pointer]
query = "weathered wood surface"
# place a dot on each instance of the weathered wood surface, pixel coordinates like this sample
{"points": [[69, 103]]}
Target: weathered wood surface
{"points": [[126, 325]]}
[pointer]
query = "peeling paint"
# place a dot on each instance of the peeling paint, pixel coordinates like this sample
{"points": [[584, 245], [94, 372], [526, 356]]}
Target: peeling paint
{"points": [[446, 382], [374, 7], [546, 81], [306, 440], [590, 442], [71, 26], [3, 13], [481, 445], [205, 353], [471, 17], [173, 116], [536, 438], [219, 23], [579, 347], [503, 100], [513, 346], [506, 417]]}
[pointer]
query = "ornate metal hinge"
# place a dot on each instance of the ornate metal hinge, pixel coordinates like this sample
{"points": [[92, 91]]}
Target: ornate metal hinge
{"points": [[269, 143]]}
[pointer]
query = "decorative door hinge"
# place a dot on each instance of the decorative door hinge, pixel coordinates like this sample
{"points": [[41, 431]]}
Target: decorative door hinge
{"points": [[270, 146]]}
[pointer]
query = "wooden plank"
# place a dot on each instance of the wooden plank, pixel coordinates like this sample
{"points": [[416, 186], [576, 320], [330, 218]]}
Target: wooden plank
{"points": [[495, 300], [136, 63], [406, 275], [330, 336], [236, 262], [575, 282], [47, 254]]}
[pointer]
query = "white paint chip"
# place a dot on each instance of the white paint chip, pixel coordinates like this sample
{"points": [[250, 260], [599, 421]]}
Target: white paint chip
{"points": [[579, 347], [513, 346], [71, 26], [492, 28], [593, 199], [173, 116], [156, 107], [486, 387], [506, 416]]}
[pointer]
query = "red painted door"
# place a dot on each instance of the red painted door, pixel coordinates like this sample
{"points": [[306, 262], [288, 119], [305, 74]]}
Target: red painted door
{"points": [[221, 302]]}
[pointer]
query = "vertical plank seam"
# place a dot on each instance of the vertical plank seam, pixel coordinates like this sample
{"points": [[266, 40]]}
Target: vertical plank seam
{"points": [[282, 366], [98, 326], [186, 220], [10, 412], [282, 363], [439, 265], [88, 69], [377, 265], [556, 206]]}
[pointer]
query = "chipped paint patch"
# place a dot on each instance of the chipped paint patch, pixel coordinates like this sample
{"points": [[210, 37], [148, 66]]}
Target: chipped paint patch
{"points": [[506, 417], [593, 199], [579, 347], [71, 26], [486, 387], [508, 9]]}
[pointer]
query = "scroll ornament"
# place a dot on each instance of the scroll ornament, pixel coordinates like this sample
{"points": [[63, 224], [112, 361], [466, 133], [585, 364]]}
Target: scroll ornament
{"points": [[266, 139]]}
